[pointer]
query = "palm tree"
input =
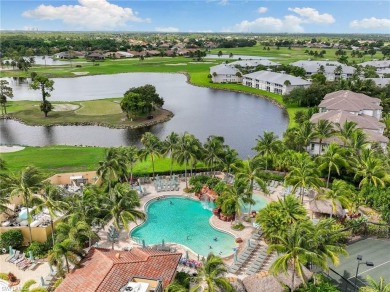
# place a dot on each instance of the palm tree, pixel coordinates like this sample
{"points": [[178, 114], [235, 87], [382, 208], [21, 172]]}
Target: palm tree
{"points": [[358, 141], [50, 200], [152, 147], [304, 174], [68, 250], [294, 247], [332, 159], [345, 131], [130, 154], [306, 133], [212, 272], [371, 170], [340, 192], [75, 229], [374, 286], [169, 146], [250, 172], [213, 150], [229, 158], [235, 198], [5, 92], [268, 146], [112, 165], [187, 151], [324, 129], [123, 206], [46, 86], [28, 182]]}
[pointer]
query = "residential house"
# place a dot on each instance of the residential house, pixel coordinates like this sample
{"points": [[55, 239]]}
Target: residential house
{"points": [[383, 64], [95, 56], [111, 270], [381, 82], [332, 70], [118, 55], [254, 63], [344, 105], [224, 73], [279, 83], [382, 72]]}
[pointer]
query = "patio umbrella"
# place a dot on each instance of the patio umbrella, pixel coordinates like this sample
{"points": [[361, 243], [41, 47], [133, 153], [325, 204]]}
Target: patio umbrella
{"points": [[42, 281], [31, 255], [198, 257], [187, 256], [51, 270], [11, 251], [163, 243], [143, 243]]}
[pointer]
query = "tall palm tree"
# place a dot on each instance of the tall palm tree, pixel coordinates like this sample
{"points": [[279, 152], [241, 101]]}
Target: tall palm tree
{"points": [[169, 146], [250, 172], [68, 250], [304, 174], [111, 167], [213, 150], [123, 206], [130, 154], [324, 129], [187, 151], [50, 199], [212, 273], [345, 131], [332, 159], [340, 192], [358, 141], [306, 133], [370, 169], [27, 183], [295, 251], [235, 198], [268, 146], [229, 158], [75, 229], [374, 286], [152, 147]]}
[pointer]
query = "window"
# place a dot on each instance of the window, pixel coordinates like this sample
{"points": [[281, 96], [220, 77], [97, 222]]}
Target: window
{"points": [[312, 146]]}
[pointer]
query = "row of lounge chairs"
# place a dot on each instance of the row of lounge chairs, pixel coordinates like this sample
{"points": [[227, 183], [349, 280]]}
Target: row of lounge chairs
{"points": [[242, 258], [258, 262], [167, 186], [21, 261]]}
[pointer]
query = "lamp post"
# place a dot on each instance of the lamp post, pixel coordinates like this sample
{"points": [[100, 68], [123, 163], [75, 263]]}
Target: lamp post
{"points": [[368, 264]]}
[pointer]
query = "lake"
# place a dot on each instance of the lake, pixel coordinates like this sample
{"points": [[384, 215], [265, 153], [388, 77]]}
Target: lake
{"points": [[238, 117]]}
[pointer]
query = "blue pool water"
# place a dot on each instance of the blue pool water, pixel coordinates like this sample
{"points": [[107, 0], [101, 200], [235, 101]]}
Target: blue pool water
{"points": [[260, 203], [174, 219]]}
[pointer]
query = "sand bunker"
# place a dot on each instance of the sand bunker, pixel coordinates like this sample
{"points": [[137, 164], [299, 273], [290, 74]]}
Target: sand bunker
{"points": [[7, 149], [80, 73], [65, 107]]}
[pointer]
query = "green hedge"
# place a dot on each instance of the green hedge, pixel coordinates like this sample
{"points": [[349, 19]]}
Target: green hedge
{"points": [[12, 238]]}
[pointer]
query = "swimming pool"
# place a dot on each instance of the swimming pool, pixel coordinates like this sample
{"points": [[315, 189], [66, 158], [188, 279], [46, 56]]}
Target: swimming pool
{"points": [[184, 221], [260, 203]]}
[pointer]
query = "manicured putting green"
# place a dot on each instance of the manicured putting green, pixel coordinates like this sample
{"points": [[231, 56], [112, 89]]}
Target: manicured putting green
{"points": [[99, 107]]}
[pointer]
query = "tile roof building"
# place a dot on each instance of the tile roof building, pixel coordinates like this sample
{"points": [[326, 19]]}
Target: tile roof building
{"points": [[279, 83], [330, 69], [111, 270], [344, 105]]}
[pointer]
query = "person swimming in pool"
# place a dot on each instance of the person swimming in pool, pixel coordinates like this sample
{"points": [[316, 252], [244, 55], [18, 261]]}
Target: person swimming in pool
{"points": [[170, 202], [215, 238]]}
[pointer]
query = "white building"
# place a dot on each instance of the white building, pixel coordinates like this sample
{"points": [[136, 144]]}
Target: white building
{"points": [[254, 63], [332, 70], [344, 105], [279, 83], [224, 73], [383, 64]]}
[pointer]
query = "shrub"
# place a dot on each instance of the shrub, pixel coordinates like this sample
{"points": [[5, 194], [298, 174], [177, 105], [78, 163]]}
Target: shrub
{"points": [[57, 283], [238, 226], [38, 289], [27, 285], [4, 276], [38, 249], [12, 238], [78, 66]]}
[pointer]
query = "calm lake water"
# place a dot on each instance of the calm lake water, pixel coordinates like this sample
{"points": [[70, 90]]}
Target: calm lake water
{"points": [[238, 117], [242, 57]]}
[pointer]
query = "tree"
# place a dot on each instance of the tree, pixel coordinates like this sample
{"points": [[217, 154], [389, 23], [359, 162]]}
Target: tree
{"points": [[220, 54], [374, 286], [169, 146], [49, 199], [345, 131], [5, 92], [46, 86], [123, 206], [332, 159], [212, 272], [324, 129], [229, 158], [132, 104], [74, 229], [110, 168], [68, 250], [370, 169], [213, 151], [152, 147], [250, 172], [304, 174], [130, 155], [146, 102], [26, 184], [268, 146]]}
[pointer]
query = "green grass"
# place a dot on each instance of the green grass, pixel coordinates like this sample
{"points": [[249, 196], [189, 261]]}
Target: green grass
{"points": [[58, 159], [99, 108]]}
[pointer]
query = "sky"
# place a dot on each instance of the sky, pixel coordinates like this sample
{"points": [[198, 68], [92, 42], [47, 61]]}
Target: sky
{"points": [[272, 16]]}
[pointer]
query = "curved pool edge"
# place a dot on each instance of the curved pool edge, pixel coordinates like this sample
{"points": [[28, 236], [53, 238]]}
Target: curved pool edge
{"points": [[152, 200]]}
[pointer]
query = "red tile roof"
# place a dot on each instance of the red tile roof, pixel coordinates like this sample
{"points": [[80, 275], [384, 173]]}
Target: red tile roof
{"points": [[110, 270]]}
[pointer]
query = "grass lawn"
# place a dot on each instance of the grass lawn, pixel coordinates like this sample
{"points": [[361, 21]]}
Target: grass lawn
{"points": [[99, 108], [57, 159]]}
